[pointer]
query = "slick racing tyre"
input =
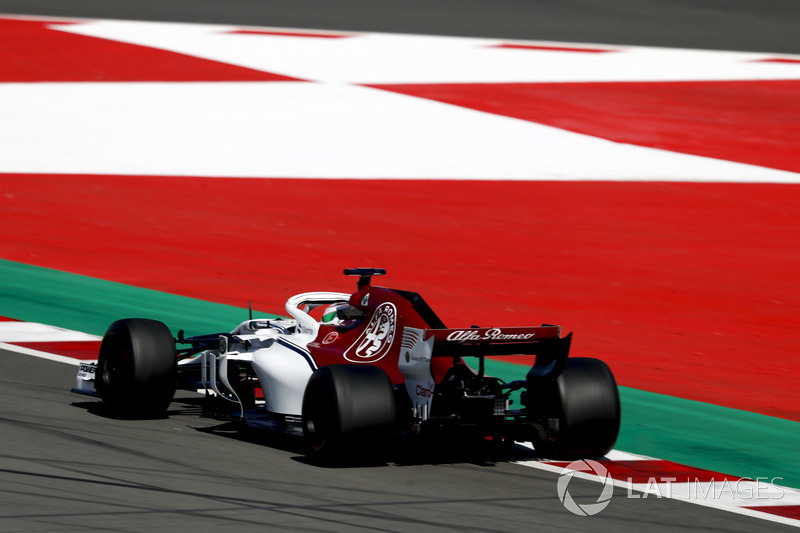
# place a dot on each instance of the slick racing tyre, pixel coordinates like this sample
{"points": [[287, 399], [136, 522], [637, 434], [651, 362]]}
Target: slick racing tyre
{"points": [[585, 400], [137, 368], [348, 413]]}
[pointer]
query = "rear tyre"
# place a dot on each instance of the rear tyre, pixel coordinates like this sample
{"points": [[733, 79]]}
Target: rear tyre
{"points": [[585, 400], [137, 368], [349, 413]]}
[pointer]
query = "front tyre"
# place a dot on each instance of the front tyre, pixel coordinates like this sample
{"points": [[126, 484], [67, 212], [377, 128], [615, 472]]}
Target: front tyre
{"points": [[137, 368], [349, 413]]}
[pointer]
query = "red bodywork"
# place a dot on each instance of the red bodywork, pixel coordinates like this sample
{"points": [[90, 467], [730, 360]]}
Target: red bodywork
{"points": [[377, 337]]}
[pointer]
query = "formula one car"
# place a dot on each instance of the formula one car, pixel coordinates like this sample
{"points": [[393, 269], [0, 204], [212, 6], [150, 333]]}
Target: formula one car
{"points": [[377, 365]]}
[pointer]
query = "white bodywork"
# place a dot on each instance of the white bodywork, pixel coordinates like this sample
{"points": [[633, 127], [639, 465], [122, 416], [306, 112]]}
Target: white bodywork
{"points": [[277, 351]]}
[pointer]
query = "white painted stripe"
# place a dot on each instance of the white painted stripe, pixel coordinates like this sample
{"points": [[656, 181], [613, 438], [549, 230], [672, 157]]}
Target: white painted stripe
{"points": [[332, 129], [639, 490], [312, 130], [371, 58], [40, 354], [742, 493], [618, 455], [34, 332], [613, 455]]}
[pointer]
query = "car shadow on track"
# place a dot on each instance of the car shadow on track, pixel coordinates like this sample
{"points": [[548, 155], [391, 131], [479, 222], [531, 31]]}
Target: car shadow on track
{"points": [[179, 407], [401, 452]]}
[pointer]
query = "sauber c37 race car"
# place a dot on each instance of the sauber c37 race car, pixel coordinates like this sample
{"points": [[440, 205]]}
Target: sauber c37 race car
{"points": [[377, 365]]}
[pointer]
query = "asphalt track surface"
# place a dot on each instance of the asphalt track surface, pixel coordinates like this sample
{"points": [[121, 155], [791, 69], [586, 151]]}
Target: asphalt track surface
{"points": [[64, 466], [763, 26]]}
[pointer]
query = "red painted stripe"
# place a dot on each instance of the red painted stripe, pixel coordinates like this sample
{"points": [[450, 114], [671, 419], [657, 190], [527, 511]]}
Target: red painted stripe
{"points": [[787, 511], [777, 60], [553, 48], [7, 319], [34, 51], [755, 122], [83, 350], [686, 289], [291, 34], [657, 471]]}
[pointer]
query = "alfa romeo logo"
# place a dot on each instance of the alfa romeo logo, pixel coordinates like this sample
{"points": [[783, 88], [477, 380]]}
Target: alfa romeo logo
{"points": [[376, 340], [592, 467]]}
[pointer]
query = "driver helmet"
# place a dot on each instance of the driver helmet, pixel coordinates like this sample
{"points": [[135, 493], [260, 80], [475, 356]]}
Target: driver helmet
{"points": [[332, 316]]}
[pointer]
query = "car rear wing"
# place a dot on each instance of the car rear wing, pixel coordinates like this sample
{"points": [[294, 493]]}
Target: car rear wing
{"points": [[419, 346], [479, 342]]}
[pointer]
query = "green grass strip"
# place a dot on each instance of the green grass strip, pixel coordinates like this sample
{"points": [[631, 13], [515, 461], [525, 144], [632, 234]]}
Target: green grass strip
{"points": [[698, 434], [717, 438], [36, 294]]}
